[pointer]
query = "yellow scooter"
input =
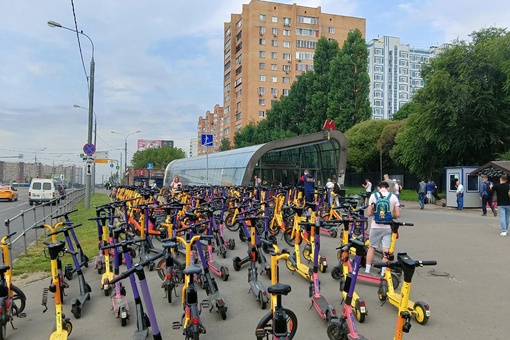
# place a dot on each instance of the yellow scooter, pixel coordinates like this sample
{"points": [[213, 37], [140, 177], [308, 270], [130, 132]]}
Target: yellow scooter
{"points": [[419, 310]]}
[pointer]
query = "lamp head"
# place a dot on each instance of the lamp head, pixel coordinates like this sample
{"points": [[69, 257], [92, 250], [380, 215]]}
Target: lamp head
{"points": [[52, 23]]}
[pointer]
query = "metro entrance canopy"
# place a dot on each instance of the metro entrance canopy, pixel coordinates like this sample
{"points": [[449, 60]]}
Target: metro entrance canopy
{"points": [[282, 161]]}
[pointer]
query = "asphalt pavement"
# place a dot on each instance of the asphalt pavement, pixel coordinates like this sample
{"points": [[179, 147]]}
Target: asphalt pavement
{"points": [[466, 291]]}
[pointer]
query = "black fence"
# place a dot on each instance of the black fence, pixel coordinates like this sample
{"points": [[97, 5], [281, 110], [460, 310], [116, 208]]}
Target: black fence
{"points": [[407, 179]]}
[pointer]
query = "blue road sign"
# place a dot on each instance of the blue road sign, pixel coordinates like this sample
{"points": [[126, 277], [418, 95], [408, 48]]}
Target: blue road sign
{"points": [[207, 140], [150, 165], [89, 149], [112, 165]]}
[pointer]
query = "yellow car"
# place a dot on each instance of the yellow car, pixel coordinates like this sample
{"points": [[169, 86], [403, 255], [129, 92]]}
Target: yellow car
{"points": [[8, 192]]}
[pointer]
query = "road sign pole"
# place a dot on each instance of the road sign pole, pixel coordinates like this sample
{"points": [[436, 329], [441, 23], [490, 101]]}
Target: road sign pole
{"points": [[206, 165]]}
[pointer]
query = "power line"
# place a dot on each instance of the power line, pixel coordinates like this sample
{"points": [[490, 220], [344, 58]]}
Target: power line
{"points": [[79, 44]]}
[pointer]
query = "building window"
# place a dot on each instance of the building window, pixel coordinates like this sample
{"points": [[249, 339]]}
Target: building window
{"points": [[307, 32], [286, 44], [304, 56], [262, 77], [239, 70], [274, 19], [274, 91], [274, 55], [262, 30], [274, 67], [262, 66], [227, 110], [332, 30], [262, 41], [262, 102], [227, 76], [238, 82], [239, 116], [262, 90], [306, 44], [286, 21], [239, 23], [262, 54], [227, 44], [261, 114], [227, 54], [307, 20], [286, 32], [274, 31], [286, 68], [227, 97], [286, 80], [285, 92], [227, 87], [274, 79], [227, 32], [262, 17], [274, 43], [286, 56], [226, 132]]}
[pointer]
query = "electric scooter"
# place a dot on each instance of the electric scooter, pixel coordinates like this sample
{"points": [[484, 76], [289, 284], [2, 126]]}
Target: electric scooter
{"points": [[78, 302], [407, 265], [419, 310], [82, 257], [325, 309], [345, 326], [63, 326], [120, 304], [254, 253], [142, 320]]}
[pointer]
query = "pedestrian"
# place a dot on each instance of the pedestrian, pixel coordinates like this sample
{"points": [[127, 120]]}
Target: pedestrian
{"points": [[329, 191], [380, 234], [336, 192], [422, 191], [460, 195], [398, 189], [431, 187], [368, 189], [486, 196], [502, 191], [308, 183], [390, 182], [176, 184], [257, 182]]}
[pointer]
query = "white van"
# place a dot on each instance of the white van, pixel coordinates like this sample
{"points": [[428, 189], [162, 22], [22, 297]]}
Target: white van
{"points": [[42, 190]]}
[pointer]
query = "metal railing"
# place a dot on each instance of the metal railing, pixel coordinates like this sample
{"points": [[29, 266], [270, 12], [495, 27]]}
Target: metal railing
{"points": [[51, 208]]}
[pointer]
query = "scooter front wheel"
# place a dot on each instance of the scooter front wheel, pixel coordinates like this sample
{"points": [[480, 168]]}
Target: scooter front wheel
{"points": [[337, 272], [337, 330], [382, 292]]}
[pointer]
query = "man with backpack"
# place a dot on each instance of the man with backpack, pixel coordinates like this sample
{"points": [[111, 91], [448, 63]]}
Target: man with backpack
{"points": [[383, 206], [486, 196]]}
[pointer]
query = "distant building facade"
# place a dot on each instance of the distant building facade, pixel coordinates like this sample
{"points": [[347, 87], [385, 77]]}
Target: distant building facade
{"points": [[265, 48], [211, 124], [395, 73], [24, 172]]}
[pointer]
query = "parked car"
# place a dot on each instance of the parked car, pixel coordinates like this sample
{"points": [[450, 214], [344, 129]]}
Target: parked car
{"points": [[8, 192]]}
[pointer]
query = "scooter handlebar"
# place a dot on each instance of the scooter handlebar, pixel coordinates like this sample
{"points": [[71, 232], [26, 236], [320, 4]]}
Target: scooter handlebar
{"points": [[130, 271], [65, 213]]}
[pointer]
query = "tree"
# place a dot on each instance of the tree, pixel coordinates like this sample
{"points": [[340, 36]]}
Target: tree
{"points": [[225, 145], [363, 151], [160, 157], [460, 116], [349, 79]]}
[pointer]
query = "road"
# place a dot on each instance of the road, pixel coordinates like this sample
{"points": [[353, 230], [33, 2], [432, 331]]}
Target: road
{"points": [[8, 210], [466, 291]]}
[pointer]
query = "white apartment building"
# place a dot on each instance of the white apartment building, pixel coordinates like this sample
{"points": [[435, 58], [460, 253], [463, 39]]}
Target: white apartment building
{"points": [[395, 73]]}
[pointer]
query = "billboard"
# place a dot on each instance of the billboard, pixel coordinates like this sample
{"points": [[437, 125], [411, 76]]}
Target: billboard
{"points": [[144, 144]]}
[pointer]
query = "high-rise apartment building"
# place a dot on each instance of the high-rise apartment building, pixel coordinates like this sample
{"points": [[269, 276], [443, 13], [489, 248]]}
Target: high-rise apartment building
{"points": [[212, 124], [266, 47], [395, 73]]}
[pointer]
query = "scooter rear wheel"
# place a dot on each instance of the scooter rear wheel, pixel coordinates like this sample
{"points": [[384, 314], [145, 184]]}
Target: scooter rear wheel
{"points": [[337, 330], [420, 312]]}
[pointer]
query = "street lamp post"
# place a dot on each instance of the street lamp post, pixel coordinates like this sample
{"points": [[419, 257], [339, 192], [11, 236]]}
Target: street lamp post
{"points": [[95, 144], [125, 145], [91, 104]]}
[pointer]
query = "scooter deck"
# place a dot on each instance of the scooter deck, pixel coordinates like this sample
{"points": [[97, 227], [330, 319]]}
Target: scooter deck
{"points": [[321, 302], [394, 299], [365, 277]]}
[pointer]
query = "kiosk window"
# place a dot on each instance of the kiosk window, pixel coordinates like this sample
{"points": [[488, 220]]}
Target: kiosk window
{"points": [[453, 180], [472, 183]]}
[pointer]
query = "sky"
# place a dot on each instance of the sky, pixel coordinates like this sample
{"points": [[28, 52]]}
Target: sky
{"points": [[158, 65]]}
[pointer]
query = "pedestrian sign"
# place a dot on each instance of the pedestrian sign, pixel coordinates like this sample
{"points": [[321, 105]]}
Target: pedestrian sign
{"points": [[207, 140]]}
